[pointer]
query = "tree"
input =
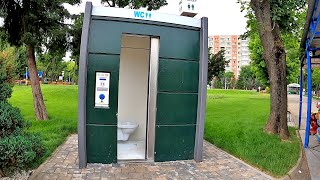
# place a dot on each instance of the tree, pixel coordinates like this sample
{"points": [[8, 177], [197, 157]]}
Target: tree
{"points": [[274, 17], [18, 55], [228, 80], [51, 64], [246, 78], [35, 24], [70, 67], [216, 64]]}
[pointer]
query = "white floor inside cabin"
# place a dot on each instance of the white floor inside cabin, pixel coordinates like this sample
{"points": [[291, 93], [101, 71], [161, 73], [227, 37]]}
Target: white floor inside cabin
{"points": [[131, 150]]}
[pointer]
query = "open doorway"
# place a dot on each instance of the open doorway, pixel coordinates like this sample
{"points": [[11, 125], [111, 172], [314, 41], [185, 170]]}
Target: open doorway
{"points": [[133, 97]]}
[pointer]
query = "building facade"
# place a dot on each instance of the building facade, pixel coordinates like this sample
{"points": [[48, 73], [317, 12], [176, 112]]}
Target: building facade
{"points": [[236, 51]]}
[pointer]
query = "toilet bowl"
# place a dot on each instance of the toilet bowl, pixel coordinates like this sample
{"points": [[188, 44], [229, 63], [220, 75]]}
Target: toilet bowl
{"points": [[125, 129]]}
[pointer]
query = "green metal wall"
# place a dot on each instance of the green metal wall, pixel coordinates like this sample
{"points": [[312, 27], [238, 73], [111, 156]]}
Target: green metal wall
{"points": [[177, 98]]}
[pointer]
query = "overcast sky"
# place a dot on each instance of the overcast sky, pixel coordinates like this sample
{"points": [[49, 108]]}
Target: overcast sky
{"points": [[224, 16]]}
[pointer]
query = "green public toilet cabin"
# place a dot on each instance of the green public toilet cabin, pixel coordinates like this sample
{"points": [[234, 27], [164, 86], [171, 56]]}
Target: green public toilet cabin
{"points": [[142, 86]]}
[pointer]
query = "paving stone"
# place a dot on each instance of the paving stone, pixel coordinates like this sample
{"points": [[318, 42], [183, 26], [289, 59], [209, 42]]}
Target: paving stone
{"points": [[217, 164], [50, 176], [65, 177], [78, 177], [93, 176]]}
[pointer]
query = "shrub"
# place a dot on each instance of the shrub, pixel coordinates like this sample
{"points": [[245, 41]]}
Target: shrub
{"points": [[6, 91], [18, 149], [18, 152], [11, 122], [267, 90]]}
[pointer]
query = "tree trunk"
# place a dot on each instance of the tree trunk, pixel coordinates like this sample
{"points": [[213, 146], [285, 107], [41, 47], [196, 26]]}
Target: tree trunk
{"points": [[2, 174], [275, 58], [39, 106]]}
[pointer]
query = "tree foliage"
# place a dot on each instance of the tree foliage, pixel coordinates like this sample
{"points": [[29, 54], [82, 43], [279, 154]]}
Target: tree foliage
{"points": [[291, 31], [75, 32], [15, 55], [229, 80], [136, 4], [247, 78], [36, 22], [216, 64], [51, 64]]}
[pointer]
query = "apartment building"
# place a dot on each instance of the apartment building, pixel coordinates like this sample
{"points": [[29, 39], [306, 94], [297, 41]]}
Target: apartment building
{"points": [[236, 50]]}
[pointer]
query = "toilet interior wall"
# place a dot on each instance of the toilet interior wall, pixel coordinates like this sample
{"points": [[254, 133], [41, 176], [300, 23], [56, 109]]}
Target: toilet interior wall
{"points": [[133, 83]]}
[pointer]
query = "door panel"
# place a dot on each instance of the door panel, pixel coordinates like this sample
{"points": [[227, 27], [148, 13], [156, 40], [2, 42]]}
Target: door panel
{"points": [[178, 76], [184, 105], [102, 122], [174, 143], [101, 144]]}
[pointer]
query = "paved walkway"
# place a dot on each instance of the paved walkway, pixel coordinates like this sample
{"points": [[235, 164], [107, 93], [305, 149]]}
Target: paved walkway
{"points": [[313, 152], [217, 164]]}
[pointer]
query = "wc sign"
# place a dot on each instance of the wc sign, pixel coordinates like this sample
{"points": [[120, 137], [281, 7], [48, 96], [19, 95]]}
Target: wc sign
{"points": [[142, 14]]}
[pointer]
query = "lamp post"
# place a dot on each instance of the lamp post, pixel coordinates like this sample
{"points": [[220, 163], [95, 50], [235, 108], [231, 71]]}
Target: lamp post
{"points": [[27, 76]]}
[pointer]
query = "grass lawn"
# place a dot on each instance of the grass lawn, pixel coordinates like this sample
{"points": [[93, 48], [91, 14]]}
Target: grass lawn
{"points": [[235, 122], [61, 103]]}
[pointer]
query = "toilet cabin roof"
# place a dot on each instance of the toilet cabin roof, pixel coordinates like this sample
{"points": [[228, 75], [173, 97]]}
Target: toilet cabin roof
{"points": [[145, 16]]}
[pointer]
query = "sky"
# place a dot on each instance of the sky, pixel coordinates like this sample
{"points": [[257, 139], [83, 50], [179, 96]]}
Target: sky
{"points": [[224, 16]]}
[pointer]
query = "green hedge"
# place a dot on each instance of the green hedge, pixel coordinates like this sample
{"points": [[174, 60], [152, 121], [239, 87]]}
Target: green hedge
{"points": [[18, 152], [18, 149]]}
